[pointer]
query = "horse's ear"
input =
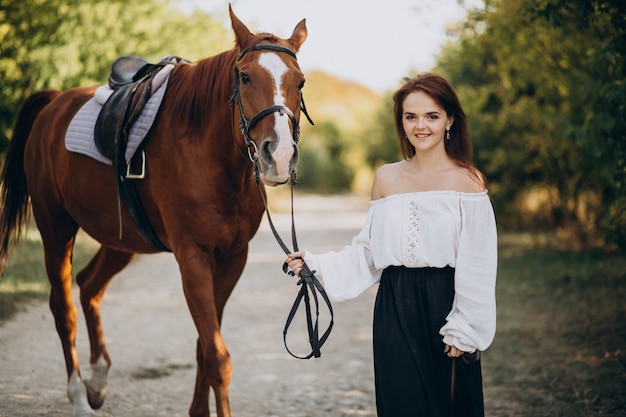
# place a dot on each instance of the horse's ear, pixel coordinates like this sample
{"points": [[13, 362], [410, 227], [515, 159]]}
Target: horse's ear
{"points": [[299, 35], [242, 33]]}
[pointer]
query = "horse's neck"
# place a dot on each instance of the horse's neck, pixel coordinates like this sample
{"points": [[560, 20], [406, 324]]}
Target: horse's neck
{"points": [[201, 91], [199, 99]]}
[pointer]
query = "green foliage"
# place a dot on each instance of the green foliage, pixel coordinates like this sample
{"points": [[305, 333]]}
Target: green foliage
{"points": [[25, 277], [543, 84], [62, 44], [342, 111], [323, 165], [380, 141], [24, 280]]}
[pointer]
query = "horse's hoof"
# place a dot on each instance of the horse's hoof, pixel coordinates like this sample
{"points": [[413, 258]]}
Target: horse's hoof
{"points": [[95, 403], [82, 410], [95, 398]]}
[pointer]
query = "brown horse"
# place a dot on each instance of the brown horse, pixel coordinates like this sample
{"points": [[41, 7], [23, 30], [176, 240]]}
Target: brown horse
{"points": [[200, 196]]}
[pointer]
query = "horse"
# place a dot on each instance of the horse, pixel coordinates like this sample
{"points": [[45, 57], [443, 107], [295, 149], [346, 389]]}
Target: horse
{"points": [[200, 196]]}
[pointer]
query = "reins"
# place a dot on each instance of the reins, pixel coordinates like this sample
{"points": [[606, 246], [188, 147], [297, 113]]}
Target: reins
{"points": [[308, 282]]}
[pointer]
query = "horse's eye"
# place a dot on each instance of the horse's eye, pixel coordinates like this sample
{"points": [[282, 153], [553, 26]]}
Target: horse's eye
{"points": [[301, 85], [243, 77]]}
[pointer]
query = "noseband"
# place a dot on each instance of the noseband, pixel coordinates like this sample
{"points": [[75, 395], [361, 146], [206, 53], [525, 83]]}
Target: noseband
{"points": [[245, 124]]}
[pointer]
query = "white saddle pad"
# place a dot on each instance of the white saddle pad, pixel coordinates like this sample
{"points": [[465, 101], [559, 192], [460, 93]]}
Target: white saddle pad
{"points": [[80, 133]]}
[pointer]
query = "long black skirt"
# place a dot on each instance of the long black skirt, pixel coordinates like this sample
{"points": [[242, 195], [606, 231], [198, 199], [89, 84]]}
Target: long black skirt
{"points": [[414, 377]]}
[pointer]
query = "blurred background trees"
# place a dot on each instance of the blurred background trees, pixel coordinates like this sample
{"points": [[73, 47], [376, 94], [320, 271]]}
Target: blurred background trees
{"points": [[62, 44], [542, 82]]}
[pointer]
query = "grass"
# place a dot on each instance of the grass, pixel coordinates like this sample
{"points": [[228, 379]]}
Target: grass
{"points": [[25, 280], [561, 339]]}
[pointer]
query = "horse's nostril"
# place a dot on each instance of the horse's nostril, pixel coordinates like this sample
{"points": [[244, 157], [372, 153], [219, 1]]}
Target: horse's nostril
{"points": [[267, 147]]}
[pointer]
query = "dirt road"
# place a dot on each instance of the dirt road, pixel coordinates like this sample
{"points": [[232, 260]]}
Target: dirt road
{"points": [[151, 338]]}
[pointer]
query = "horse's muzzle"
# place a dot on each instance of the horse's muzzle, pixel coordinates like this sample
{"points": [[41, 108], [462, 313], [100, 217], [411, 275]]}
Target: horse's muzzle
{"points": [[276, 163]]}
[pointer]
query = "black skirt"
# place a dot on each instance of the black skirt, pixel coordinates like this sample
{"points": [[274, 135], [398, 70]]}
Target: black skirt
{"points": [[414, 377]]}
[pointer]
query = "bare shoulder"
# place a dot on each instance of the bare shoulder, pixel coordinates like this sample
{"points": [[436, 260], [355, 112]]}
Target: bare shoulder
{"points": [[383, 178], [388, 170], [469, 180]]}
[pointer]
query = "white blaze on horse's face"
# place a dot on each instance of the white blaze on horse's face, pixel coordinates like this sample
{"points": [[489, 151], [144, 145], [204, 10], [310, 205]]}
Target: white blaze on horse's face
{"points": [[285, 147]]}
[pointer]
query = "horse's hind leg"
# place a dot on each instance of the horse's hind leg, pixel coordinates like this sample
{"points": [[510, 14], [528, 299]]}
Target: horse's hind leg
{"points": [[93, 281], [58, 240]]}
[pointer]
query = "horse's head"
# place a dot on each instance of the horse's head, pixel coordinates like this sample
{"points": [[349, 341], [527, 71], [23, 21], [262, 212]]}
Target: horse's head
{"points": [[267, 95]]}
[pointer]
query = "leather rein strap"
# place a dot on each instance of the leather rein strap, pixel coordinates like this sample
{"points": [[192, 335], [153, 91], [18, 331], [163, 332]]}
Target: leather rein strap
{"points": [[308, 281]]}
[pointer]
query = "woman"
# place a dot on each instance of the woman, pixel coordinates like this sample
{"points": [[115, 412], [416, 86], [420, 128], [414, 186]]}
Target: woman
{"points": [[430, 240]]}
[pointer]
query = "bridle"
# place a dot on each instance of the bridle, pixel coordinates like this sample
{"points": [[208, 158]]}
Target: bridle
{"points": [[308, 282], [245, 124]]}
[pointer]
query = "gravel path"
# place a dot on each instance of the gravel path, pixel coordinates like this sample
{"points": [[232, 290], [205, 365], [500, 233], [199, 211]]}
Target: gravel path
{"points": [[151, 338]]}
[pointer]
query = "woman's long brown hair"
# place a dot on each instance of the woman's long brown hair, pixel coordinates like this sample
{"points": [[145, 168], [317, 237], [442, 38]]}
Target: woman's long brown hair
{"points": [[459, 146]]}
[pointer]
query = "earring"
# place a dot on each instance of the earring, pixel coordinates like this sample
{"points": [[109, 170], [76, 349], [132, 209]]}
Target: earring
{"points": [[447, 135]]}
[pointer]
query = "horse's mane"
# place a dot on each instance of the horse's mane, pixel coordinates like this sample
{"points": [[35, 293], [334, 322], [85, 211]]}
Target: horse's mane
{"points": [[198, 90]]}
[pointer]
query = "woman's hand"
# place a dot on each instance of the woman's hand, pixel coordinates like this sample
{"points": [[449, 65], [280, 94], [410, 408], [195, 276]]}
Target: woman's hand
{"points": [[452, 351], [295, 262]]}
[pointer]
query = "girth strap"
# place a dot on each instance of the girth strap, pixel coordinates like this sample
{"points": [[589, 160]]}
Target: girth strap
{"points": [[129, 196]]}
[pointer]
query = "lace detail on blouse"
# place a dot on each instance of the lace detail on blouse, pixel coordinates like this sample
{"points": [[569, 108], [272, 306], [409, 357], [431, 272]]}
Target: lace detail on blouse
{"points": [[413, 235]]}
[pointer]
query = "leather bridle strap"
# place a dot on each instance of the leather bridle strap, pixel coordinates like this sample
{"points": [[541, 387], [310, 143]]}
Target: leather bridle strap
{"points": [[308, 283], [245, 124]]}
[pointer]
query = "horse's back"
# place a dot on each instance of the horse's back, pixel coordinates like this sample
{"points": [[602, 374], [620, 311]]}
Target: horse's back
{"points": [[48, 129], [58, 179], [45, 145], [63, 183]]}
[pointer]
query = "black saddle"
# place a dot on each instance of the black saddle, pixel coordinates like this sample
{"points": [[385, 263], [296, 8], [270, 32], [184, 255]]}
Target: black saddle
{"points": [[131, 80], [124, 69]]}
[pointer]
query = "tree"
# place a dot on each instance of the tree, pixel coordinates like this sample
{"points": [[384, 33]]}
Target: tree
{"points": [[323, 166], [542, 82], [380, 141], [62, 44]]}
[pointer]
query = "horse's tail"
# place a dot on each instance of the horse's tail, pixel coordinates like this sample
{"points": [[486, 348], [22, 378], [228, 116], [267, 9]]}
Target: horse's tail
{"points": [[14, 195]]}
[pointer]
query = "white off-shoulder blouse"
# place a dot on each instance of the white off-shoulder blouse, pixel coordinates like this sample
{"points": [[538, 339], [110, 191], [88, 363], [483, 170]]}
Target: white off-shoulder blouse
{"points": [[425, 229]]}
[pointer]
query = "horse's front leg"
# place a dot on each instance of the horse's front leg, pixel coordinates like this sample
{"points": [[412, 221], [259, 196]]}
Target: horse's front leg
{"points": [[214, 363], [204, 382], [93, 281]]}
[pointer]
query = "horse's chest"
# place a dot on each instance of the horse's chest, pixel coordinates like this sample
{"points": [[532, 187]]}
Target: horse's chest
{"points": [[230, 227]]}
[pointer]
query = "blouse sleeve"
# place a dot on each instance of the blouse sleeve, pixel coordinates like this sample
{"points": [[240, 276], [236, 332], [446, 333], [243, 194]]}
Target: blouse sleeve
{"points": [[471, 324], [349, 272]]}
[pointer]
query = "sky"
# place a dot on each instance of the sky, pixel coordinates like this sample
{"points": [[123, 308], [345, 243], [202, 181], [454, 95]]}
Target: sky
{"points": [[372, 42]]}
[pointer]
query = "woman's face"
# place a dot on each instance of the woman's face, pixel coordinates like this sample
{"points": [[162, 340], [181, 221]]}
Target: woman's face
{"points": [[424, 121]]}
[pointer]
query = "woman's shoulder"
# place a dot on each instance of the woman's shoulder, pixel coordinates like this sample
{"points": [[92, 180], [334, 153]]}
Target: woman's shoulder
{"points": [[391, 179], [383, 178], [467, 180], [389, 169]]}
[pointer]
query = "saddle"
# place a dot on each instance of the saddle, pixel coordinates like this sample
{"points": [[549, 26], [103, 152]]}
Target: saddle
{"points": [[131, 81], [123, 70]]}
